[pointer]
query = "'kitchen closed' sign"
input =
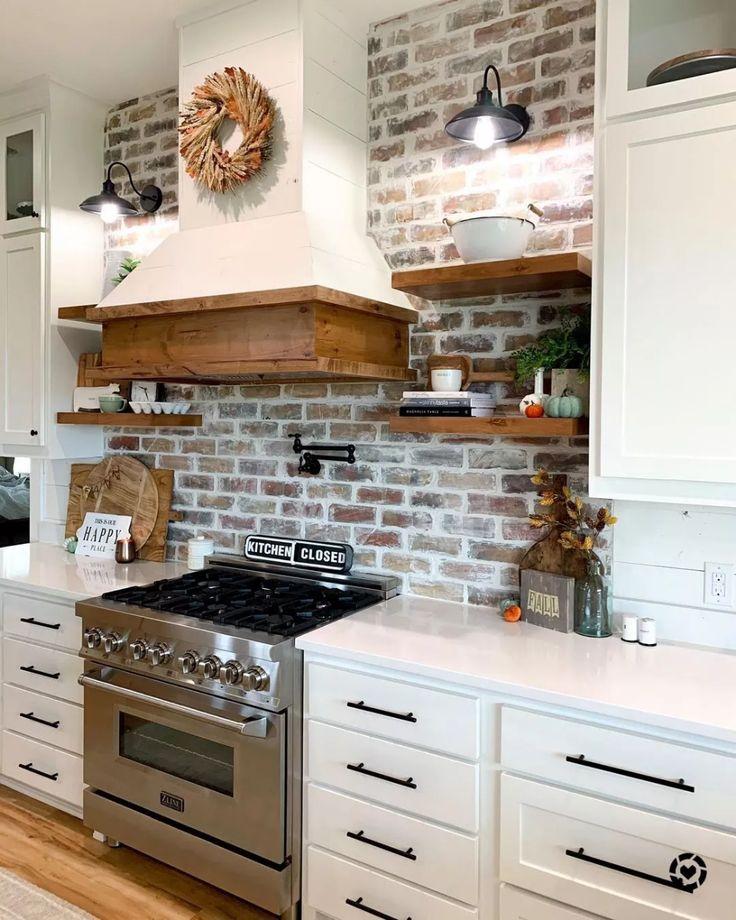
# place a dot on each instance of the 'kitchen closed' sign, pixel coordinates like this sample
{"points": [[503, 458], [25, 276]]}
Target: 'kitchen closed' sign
{"points": [[312, 554]]}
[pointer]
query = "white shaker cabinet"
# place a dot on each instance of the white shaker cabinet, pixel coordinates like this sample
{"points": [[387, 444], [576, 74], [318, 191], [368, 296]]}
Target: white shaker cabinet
{"points": [[50, 256], [664, 324], [21, 332]]}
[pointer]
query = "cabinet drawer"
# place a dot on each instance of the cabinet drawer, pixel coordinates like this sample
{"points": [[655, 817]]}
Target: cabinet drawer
{"points": [[612, 763], [414, 715], [424, 784], [520, 905], [42, 621], [43, 718], [51, 671], [59, 773], [345, 891], [611, 859], [423, 853]]}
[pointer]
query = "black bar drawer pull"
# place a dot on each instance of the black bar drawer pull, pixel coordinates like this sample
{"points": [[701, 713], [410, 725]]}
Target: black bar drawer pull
{"points": [[31, 670], [32, 718], [359, 905], [404, 716], [361, 768], [34, 622], [673, 881], [361, 838], [32, 769], [582, 761]]}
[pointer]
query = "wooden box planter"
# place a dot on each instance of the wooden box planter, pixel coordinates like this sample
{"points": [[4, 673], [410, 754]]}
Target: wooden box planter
{"points": [[293, 334]]}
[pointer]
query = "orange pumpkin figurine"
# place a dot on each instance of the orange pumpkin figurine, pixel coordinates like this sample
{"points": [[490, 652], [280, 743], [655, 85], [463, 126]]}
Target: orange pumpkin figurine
{"points": [[512, 614], [534, 411]]}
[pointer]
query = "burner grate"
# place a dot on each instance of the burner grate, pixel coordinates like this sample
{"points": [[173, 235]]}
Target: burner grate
{"points": [[255, 602]]}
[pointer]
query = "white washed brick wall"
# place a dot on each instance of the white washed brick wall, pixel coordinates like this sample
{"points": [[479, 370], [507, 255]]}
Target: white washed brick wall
{"points": [[143, 134], [447, 514]]}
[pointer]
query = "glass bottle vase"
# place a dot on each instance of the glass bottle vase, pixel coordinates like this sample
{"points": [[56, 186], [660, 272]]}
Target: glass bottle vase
{"points": [[593, 601]]}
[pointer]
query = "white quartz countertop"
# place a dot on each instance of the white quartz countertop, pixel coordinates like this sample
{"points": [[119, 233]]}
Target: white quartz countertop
{"points": [[49, 568], [674, 687]]}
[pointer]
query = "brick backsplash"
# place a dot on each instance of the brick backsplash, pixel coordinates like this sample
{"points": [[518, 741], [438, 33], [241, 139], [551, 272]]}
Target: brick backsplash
{"points": [[445, 513]]}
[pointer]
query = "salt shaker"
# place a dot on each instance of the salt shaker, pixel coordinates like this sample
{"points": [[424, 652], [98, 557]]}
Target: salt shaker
{"points": [[125, 549]]}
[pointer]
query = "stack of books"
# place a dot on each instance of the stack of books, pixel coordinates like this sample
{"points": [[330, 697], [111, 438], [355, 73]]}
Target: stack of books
{"points": [[434, 404]]}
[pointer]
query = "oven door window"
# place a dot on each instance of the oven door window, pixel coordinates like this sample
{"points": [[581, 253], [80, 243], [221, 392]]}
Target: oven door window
{"points": [[198, 760]]}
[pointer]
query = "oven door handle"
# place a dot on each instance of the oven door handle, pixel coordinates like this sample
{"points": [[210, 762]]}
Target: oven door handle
{"points": [[253, 726]]}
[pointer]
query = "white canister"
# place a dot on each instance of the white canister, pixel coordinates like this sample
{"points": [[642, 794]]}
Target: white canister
{"points": [[630, 627], [197, 551], [446, 379], [647, 631]]}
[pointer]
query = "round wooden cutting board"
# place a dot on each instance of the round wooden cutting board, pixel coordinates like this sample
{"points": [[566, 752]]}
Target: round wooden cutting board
{"points": [[122, 485]]}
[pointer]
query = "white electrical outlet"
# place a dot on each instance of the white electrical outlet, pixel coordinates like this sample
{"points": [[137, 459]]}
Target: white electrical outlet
{"points": [[719, 588]]}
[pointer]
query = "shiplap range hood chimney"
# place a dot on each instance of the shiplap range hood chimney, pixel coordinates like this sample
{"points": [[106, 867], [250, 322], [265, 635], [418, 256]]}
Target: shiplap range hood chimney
{"points": [[301, 221]]}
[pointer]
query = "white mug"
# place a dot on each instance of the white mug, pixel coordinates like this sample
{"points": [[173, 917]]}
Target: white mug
{"points": [[447, 379]]}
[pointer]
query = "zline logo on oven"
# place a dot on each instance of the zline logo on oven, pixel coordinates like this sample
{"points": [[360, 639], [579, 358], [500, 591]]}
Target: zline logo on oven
{"points": [[169, 800]]}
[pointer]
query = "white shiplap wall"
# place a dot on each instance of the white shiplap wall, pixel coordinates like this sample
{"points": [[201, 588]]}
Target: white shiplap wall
{"points": [[659, 552]]}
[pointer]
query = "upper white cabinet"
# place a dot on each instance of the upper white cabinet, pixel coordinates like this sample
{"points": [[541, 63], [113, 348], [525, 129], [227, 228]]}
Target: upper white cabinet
{"points": [[22, 174], [21, 331], [663, 324], [51, 145], [642, 34]]}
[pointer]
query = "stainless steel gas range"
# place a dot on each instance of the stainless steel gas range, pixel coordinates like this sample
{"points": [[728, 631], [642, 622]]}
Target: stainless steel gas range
{"points": [[193, 717]]}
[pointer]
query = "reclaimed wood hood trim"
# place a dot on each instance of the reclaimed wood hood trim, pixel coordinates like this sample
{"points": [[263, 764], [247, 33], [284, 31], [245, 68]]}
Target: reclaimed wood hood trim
{"points": [[279, 336], [331, 370], [279, 297]]}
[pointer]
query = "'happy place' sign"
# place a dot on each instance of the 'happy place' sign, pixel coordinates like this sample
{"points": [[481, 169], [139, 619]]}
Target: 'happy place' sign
{"points": [[100, 532], [311, 554]]}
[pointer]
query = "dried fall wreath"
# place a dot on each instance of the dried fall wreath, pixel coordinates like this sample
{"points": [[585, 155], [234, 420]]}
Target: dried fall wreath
{"points": [[232, 94]]}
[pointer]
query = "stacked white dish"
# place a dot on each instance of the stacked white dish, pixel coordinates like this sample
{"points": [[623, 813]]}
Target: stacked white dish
{"points": [[160, 408]]}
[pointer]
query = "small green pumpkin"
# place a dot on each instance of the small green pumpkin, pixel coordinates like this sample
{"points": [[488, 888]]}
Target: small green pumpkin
{"points": [[566, 406]]}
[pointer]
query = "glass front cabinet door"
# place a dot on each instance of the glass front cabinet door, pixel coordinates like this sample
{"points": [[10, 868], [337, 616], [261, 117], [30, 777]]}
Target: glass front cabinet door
{"points": [[22, 174]]}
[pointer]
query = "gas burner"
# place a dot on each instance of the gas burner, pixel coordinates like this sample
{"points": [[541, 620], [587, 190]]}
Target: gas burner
{"points": [[260, 603]]}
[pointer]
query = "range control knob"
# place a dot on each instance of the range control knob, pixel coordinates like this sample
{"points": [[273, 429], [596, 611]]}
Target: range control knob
{"points": [[188, 662], [138, 649], [160, 653], [113, 642], [92, 637], [232, 672], [210, 666], [255, 678]]}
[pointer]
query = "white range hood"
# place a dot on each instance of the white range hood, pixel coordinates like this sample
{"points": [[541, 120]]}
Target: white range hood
{"points": [[301, 221]]}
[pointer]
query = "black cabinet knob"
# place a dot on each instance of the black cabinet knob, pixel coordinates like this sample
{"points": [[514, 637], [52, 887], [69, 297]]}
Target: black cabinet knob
{"points": [[34, 433]]}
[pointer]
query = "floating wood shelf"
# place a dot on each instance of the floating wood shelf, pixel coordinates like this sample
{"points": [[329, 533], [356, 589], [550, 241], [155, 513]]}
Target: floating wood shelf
{"points": [[508, 426], [509, 276], [128, 420]]}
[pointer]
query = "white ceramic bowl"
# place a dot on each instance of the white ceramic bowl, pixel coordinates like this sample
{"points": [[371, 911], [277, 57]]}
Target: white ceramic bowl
{"points": [[156, 408], [136, 407], [484, 237], [146, 408], [168, 408], [182, 408]]}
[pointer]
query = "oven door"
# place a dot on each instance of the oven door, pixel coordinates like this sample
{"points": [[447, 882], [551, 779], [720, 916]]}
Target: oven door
{"points": [[211, 765]]}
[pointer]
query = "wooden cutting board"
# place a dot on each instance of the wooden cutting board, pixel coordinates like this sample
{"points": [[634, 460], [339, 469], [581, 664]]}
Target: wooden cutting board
{"points": [[117, 486]]}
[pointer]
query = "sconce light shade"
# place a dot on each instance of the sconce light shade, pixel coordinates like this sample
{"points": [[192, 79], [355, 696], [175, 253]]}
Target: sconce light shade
{"points": [[487, 123], [111, 207]]}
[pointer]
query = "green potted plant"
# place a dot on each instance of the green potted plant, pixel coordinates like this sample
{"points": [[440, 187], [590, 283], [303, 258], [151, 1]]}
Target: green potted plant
{"points": [[565, 351]]}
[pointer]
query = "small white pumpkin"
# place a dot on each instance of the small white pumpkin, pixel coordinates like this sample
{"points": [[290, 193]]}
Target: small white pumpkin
{"points": [[538, 397]]}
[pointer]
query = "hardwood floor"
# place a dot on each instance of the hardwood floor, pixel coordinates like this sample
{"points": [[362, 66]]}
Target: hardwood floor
{"points": [[56, 852]]}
